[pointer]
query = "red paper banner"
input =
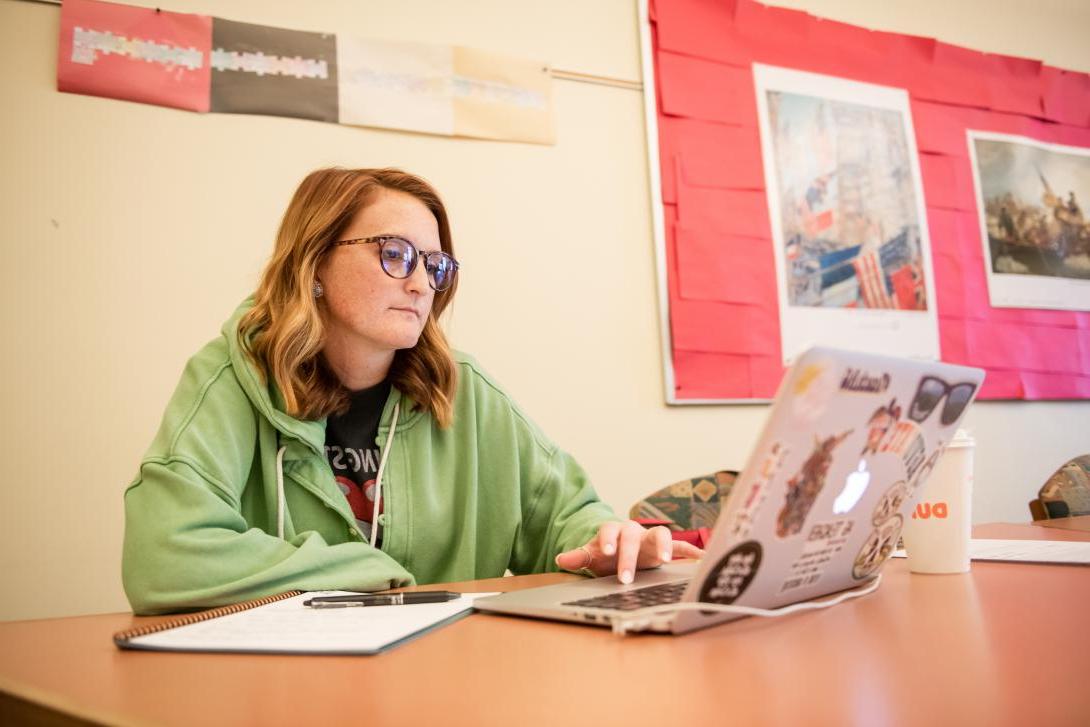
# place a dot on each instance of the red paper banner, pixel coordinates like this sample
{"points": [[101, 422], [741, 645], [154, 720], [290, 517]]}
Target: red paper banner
{"points": [[721, 273], [135, 54]]}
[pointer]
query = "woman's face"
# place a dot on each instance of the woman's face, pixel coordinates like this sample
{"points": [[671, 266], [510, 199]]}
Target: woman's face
{"points": [[367, 312]]}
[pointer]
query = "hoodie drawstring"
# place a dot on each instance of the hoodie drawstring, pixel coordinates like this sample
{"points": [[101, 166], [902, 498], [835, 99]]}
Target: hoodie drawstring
{"points": [[280, 492], [280, 505], [378, 475]]}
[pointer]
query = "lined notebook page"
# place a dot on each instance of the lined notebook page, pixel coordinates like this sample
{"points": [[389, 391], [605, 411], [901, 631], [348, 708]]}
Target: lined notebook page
{"points": [[288, 626]]}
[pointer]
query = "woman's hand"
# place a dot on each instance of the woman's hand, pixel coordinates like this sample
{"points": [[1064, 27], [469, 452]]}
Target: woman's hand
{"points": [[622, 548]]}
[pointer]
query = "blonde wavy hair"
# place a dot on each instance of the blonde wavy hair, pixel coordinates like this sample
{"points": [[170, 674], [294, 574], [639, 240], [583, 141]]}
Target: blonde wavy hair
{"points": [[284, 332]]}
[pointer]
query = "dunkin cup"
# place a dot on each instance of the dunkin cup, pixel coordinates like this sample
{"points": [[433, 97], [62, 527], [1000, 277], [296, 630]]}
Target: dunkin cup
{"points": [[937, 533]]}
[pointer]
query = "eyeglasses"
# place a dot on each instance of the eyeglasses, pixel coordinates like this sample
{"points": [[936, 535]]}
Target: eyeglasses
{"points": [[930, 393], [399, 257]]}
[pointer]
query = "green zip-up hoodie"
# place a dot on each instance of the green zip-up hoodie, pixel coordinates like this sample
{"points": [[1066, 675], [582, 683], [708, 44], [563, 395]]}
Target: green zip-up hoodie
{"points": [[489, 493]]}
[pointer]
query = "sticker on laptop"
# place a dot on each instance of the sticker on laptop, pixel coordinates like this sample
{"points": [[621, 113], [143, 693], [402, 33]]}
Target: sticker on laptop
{"points": [[905, 439], [865, 382], [878, 547], [889, 504], [932, 391], [823, 542], [757, 491], [813, 388], [804, 488], [920, 476], [879, 425], [730, 578]]}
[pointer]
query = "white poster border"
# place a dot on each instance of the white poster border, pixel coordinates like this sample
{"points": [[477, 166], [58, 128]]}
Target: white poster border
{"points": [[1016, 290], [912, 334]]}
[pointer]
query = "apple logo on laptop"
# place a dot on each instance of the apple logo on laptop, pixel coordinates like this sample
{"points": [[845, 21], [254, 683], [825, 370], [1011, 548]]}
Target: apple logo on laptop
{"points": [[854, 487]]}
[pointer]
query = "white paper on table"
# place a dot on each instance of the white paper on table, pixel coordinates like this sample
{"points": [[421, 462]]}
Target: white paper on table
{"points": [[1026, 551], [289, 627]]}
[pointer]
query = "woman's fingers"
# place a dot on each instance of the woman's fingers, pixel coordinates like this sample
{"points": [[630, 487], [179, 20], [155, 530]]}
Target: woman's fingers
{"points": [[628, 550], [624, 547], [607, 537]]}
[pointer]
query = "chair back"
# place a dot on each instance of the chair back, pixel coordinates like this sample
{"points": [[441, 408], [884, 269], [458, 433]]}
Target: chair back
{"points": [[689, 504], [1066, 492]]}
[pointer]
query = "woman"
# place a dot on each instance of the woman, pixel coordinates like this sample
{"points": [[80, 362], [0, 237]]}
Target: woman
{"points": [[328, 439]]}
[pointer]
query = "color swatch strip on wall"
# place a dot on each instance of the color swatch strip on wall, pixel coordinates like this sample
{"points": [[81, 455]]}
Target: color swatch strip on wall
{"points": [[1026, 228], [206, 64]]}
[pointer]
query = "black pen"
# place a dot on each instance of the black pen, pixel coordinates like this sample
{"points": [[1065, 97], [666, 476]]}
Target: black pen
{"points": [[381, 599]]}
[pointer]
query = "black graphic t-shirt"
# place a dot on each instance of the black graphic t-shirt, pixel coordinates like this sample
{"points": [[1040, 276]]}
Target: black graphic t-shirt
{"points": [[353, 454]]}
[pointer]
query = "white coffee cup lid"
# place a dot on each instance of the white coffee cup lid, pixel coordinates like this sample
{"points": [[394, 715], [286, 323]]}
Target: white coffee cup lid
{"points": [[962, 438]]}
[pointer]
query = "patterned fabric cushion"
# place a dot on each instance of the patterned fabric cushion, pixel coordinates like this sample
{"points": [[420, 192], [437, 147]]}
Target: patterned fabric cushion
{"points": [[689, 504], [1069, 485]]}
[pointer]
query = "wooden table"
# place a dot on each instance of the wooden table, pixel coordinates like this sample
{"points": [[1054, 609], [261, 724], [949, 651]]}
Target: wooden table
{"points": [[1078, 522], [1005, 644]]}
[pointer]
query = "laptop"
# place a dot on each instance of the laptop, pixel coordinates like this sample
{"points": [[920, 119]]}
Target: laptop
{"points": [[849, 441]]}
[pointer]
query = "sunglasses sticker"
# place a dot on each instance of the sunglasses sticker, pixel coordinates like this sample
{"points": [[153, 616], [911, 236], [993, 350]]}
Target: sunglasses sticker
{"points": [[823, 542], [733, 574], [879, 545], [804, 488], [880, 424], [933, 391], [755, 494], [813, 389], [860, 381]]}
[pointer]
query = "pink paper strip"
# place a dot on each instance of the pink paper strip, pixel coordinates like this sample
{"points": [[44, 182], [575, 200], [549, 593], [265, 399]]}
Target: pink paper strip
{"points": [[723, 327], [765, 373], [1054, 386], [952, 341], [698, 89], [699, 375], [1066, 96], [959, 77], [1001, 384], [738, 212], [713, 155], [725, 268], [940, 129], [1015, 85], [947, 181], [701, 28], [948, 290]]}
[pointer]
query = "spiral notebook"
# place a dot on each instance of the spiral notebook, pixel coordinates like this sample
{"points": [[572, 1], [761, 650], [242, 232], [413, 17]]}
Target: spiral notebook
{"points": [[283, 625]]}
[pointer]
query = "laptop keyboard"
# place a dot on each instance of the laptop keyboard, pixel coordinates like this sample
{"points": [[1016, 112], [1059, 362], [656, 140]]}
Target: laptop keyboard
{"points": [[659, 595]]}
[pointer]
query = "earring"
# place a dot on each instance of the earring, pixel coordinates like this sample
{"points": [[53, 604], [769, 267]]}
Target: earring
{"points": [[318, 289]]}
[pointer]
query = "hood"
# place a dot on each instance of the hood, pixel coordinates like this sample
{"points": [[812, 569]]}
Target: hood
{"points": [[269, 402]]}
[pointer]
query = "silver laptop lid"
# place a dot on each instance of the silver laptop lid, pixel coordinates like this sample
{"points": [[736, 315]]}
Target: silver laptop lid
{"points": [[848, 443]]}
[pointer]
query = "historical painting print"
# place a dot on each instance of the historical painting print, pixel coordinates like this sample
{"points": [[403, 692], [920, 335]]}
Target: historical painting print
{"points": [[847, 215], [1035, 232]]}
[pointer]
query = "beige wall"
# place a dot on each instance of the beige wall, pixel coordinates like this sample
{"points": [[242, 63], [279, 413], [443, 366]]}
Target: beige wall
{"points": [[129, 233]]}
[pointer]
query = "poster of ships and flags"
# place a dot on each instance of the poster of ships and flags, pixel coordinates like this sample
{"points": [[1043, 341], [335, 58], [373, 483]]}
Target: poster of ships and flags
{"points": [[846, 206]]}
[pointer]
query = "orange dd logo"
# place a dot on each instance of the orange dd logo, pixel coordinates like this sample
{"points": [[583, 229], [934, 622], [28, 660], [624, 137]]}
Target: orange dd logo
{"points": [[927, 510]]}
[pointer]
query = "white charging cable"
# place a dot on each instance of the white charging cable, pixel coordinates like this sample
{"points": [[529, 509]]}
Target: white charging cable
{"points": [[640, 618]]}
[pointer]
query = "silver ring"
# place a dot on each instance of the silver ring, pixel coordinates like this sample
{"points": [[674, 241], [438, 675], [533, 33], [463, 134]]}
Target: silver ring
{"points": [[585, 568]]}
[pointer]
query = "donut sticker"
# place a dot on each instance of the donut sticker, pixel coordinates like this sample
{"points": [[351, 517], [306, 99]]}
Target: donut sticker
{"points": [[879, 546], [890, 503], [804, 488], [732, 575]]}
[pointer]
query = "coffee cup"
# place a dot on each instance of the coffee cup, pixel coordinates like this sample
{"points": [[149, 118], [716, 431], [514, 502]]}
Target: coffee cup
{"points": [[937, 534]]}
